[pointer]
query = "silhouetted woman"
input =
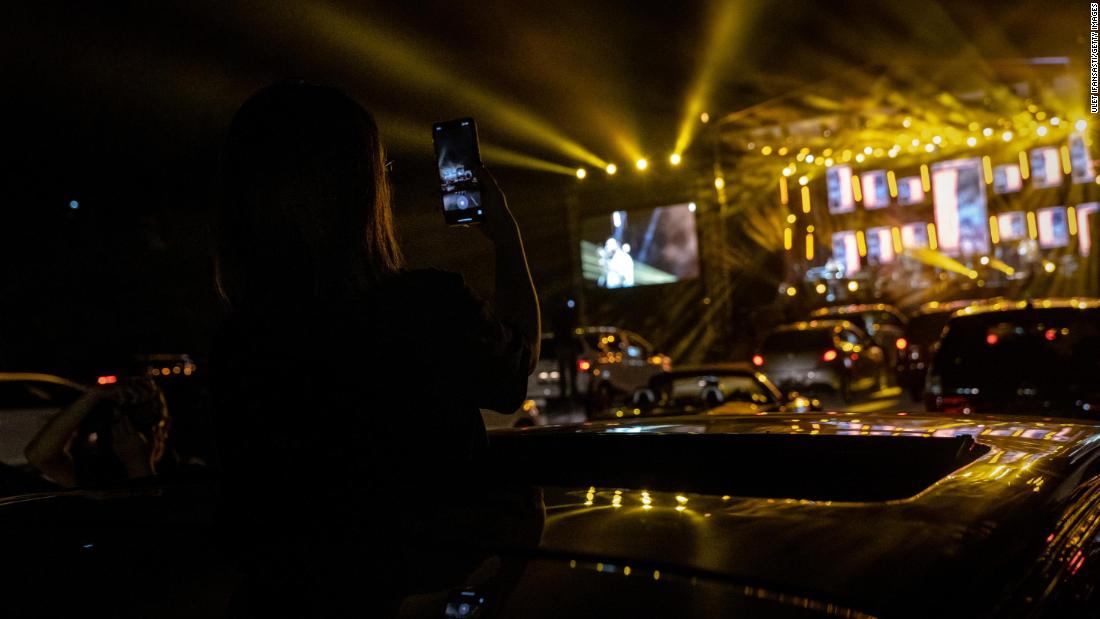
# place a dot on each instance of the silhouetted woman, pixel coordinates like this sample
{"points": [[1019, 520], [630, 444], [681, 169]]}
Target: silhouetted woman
{"points": [[346, 388]]}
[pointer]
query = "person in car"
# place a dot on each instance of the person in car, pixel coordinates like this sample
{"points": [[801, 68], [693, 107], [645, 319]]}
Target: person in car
{"points": [[341, 378], [109, 435]]}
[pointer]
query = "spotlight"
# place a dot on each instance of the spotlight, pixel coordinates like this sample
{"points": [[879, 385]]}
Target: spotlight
{"points": [[868, 150], [704, 117], [1081, 125], [719, 183], [791, 291], [1007, 136], [787, 171], [936, 140], [971, 141], [1048, 266], [581, 173], [853, 286], [767, 150], [1054, 120], [859, 157], [641, 164], [988, 132], [929, 148], [612, 168], [1041, 131], [674, 159], [802, 180], [809, 158]]}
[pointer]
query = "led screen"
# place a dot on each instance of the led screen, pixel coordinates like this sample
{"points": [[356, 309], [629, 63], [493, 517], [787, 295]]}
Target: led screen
{"points": [[1007, 179], [910, 190], [639, 248], [1012, 226], [1053, 227], [1046, 167], [876, 191], [838, 183], [880, 246], [958, 196], [914, 235], [1080, 162], [845, 251], [1084, 234]]}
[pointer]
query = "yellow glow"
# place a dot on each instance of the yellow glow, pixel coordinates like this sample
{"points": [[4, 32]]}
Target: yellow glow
{"points": [[821, 288], [626, 571], [704, 118], [1066, 167], [867, 150], [791, 291], [581, 173], [893, 183], [719, 48], [611, 168], [787, 238], [971, 141], [861, 243], [504, 156], [791, 218], [857, 189], [933, 242], [1071, 219], [987, 167], [656, 574], [802, 180], [782, 189], [1032, 228], [787, 171], [767, 150], [853, 286], [719, 183], [809, 247], [1055, 121], [1048, 266], [783, 150], [805, 199], [641, 164], [895, 232], [1025, 171], [1007, 136], [929, 148], [1041, 131], [674, 159], [987, 132], [925, 180], [859, 157], [1081, 125], [994, 230]]}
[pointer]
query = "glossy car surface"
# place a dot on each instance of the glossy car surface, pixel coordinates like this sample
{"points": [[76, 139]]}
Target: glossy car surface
{"points": [[884, 515], [884, 323], [27, 402], [1028, 357], [834, 355]]}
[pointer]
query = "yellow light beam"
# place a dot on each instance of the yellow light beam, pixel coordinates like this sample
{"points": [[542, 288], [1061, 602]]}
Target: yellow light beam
{"points": [[499, 155], [726, 24], [805, 199], [994, 230], [1002, 267], [783, 190], [1032, 228], [861, 243], [389, 53], [809, 247], [1071, 219], [925, 181], [933, 241], [934, 258], [1025, 171]]}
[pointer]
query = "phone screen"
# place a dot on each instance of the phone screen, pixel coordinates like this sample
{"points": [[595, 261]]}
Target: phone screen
{"points": [[457, 155]]}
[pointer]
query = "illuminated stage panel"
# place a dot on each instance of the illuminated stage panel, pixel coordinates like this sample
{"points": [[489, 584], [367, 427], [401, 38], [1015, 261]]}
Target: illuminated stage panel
{"points": [[1084, 235], [1079, 159], [876, 189], [638, 248], [880, 246], [914, 235], [1053, 227], [845, 251], [1012, 226], [838, 183], [958, 196], [910, 190], [1046, 167], [1007, 179]]}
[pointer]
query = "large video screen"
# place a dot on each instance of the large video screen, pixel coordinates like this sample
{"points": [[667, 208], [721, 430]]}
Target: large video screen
{"points": [[1081, 163], [958, 198], [876, 190], [1007, 179], [639, 248], [880, 245], [1012, 226], [910, 190], [914, 235], [1053, 227], [846, 251]]}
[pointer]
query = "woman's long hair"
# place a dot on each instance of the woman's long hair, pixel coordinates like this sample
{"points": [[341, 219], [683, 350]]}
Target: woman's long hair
{"points": [[304, 209]]}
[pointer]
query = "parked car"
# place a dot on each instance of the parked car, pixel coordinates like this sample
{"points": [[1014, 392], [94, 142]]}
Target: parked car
{"points": [[768, 515], [884, 323], [921, 333], [1038, 357], [27, 402], [610, 362], [823, 354], [716, 388]]}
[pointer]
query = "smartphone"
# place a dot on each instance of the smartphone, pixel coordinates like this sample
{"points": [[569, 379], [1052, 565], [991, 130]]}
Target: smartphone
{"points": [[457, 155]]}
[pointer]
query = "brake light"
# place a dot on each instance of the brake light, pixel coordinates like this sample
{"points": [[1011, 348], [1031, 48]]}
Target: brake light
{"points": [[991, 339], [107, 380], [955, 404], [829, 355], [757, 360], [901, 343], [583, 365]]}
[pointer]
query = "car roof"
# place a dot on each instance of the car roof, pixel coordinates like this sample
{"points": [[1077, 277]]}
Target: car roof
{"points": [[785, 539], [1034, 304], [855, 309], [938, 307], [819, 325], [38, 377]]}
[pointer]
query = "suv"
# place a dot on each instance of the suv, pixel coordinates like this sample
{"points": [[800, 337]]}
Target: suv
{"points": [[609, 362], [1028, 357], [884, 323], [834, 354]]}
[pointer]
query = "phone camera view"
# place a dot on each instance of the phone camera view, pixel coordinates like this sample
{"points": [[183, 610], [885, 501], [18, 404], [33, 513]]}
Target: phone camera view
{"points": [[457, 156]]}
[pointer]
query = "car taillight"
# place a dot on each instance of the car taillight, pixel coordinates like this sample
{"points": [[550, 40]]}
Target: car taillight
{"points": [[107, 380], [583, 365], [829, 355], [901, 343], [757, 360], [954, 404]]}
